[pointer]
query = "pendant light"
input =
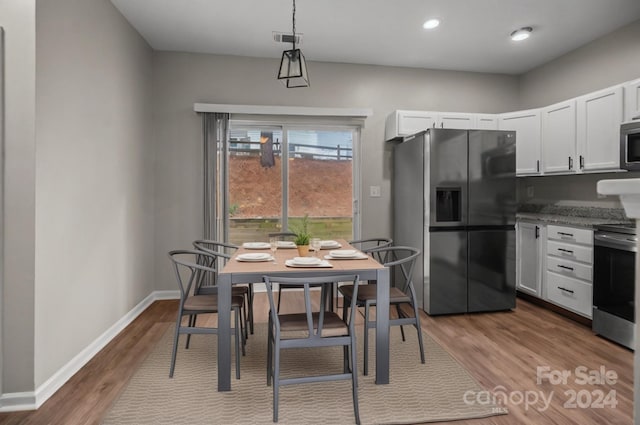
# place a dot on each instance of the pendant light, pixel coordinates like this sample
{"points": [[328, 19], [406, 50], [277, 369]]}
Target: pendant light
{"points": [[293, 67]]}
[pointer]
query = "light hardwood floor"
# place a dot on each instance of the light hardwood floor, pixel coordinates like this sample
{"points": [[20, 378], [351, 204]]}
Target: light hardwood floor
{"points": [[499, 349]]}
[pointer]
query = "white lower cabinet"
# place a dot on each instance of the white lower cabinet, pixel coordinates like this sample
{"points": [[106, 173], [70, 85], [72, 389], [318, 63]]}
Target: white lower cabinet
{"points": [[572, 294], [529, 245], [555, 263], [569, 268]]}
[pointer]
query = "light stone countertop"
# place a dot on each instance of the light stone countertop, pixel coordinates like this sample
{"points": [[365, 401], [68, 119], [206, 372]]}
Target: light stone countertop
{"points": [[571, 216], [568, 219]]}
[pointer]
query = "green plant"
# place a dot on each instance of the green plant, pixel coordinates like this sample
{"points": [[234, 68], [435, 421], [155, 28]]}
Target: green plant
{"points": [[233, 209], [302, 231]]}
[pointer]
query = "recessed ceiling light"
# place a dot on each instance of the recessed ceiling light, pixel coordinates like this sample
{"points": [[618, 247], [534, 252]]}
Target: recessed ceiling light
{"points": [[431, 24], [521, 34]]}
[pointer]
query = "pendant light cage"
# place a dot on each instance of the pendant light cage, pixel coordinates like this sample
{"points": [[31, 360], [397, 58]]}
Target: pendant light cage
{"points": [[293, 66]]}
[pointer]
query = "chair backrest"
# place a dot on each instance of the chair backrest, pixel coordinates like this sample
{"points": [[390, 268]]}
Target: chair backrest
{"points": [[401, 260], [367, 245], [282, 236], [222, 251], [325, 283], [191, 268]]}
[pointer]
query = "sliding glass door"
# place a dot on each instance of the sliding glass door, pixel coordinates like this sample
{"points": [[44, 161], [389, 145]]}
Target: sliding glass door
{"points": [[277, 174]]}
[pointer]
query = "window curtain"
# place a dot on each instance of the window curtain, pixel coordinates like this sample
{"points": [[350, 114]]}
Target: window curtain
{"points": [[215, 129]]}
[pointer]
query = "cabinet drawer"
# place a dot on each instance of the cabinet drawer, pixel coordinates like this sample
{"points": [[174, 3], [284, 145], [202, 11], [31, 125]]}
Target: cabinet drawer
{"points": [[570, 293], [570, 268], [570, 234], [570, 252]]}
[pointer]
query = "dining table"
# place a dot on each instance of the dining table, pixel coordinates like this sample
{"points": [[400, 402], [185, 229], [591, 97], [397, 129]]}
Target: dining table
{"points": [[238, 272]]}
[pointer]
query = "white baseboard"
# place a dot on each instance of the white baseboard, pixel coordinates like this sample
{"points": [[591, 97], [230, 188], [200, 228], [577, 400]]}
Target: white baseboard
{"points": [[31, 400]]}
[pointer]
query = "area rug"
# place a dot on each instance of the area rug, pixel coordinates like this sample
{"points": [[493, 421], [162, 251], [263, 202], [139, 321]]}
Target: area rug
{"points": [[417, 393]]}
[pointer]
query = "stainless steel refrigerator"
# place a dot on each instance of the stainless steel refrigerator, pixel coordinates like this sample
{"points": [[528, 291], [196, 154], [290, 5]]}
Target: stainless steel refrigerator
{"points": [[454, 197]]}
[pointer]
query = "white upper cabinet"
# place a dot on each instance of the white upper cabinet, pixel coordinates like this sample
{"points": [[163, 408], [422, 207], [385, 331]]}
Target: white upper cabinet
{"points": [[559, 137], [486, 122], [456, 120], [526, 124], [403, 123], [599, 116], [632, 100]]}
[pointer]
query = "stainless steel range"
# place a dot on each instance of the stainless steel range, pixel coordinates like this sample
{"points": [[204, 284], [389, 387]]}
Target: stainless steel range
{"points": [[615, 250]]}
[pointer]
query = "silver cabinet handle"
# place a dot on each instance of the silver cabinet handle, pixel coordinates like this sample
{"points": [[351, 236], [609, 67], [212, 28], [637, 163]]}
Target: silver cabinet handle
{"points": [[568, 251], [565, 267]]}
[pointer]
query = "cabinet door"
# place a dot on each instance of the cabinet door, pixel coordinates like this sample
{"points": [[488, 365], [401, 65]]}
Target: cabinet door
{"points": [[526, 124], [410, 122], [559, 137], [528, 258], [632, 100], [404, 123], [456, 120], [599, 117], [486, 121]]}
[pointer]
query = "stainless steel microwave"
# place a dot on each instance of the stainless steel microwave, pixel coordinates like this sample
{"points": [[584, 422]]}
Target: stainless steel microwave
{"points": [[630, 145]]}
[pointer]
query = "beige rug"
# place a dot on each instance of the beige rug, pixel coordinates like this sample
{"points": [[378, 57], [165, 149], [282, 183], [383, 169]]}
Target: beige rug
{"points": [[417, 393]]}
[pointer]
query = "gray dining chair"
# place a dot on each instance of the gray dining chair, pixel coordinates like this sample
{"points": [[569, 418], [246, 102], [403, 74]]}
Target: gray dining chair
{"points": [[224, 251], [283, 236], [401, 261], [369, 244], [190, 266], [311, 329]]}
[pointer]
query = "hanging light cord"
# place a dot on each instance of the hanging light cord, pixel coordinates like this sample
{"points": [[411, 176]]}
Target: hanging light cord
{"points": [[294, 24]]}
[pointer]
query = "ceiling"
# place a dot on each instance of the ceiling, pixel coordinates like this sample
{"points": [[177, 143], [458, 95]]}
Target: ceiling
{"points": [[473, 35]]}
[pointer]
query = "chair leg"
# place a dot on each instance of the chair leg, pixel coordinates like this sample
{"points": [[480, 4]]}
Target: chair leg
{"points": [[419, 329], [345, 359], [192, 323], [238, 341], [175, 347], [399, 316], [276, 380], [354, 379], [243, 338], [269, 354], [251, 307], [279, 298], [366, 339]]}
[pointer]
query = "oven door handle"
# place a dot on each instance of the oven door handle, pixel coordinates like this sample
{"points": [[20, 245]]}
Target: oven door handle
{"points": [[623, 243]]}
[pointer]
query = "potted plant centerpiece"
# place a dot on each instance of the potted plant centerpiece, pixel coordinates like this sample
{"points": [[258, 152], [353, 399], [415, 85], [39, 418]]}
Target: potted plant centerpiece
{"points": [[302, 236]]}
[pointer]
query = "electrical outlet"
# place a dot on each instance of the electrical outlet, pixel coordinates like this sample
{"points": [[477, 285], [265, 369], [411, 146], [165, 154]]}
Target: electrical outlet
{"points": [[529, 191], [374, 191]]}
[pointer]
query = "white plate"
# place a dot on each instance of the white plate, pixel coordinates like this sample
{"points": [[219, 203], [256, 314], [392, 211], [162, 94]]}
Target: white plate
{"points": [[357, 256], [344, 253], [286, 244], [254, 256], [306, 261], [329, 244], [256, 245], [291, 263]]}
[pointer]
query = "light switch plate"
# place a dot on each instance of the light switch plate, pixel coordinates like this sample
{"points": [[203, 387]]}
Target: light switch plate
{"points": [[374, 191]]}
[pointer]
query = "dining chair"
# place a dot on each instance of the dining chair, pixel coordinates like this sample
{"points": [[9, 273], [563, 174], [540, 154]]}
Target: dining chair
{"points": [[401, 261], [190, 266], [283, 236], [311, 329], [224, 251], [366, 245]]}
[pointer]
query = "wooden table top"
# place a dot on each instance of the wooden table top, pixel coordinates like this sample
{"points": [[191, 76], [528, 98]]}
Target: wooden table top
{"points": [[283, 254]]}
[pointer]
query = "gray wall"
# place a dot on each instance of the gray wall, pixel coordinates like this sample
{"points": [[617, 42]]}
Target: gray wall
{"points": [[94, 176], [78, 181], [604, 62], [18, 19], [180, 79]]}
